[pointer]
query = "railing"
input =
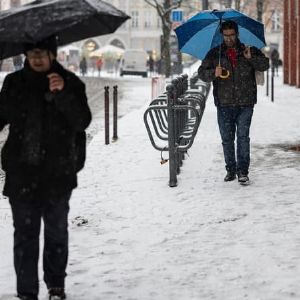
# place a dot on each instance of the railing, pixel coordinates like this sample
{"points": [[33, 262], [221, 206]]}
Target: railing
{"points": [[173, 118]]}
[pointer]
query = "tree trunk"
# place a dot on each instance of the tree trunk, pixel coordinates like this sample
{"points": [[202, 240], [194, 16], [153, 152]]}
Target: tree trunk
{"points": [[260, 8], [237, 4], [165, 50], [164, 8]]}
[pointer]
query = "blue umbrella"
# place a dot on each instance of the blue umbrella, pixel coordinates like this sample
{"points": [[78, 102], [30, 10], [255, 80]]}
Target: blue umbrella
{"points": [[201, 33]]}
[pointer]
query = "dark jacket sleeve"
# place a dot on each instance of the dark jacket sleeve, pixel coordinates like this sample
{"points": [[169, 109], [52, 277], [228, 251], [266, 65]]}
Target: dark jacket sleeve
{"points": [[5, 110], [206, 71], [258, 60], [72, 102]]}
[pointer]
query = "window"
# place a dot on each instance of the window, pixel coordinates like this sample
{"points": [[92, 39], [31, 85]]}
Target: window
{"points": [[147, 19], [134, 19], [275, 21]]}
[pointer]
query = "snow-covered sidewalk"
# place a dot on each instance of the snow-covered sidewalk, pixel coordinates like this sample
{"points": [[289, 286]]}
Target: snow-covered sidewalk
{"points": [[205, 239]]}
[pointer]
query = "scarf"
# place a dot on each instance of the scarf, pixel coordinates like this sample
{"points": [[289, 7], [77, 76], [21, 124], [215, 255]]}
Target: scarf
{"points": [[232, 55]]}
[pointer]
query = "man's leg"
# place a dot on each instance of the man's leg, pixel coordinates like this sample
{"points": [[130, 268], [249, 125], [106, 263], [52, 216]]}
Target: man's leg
{"points": [[226, 121], [243, 139], [55, 215], [27, 221]]}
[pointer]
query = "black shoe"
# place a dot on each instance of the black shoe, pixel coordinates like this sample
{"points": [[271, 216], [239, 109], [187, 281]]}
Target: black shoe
{"points": [[57, 294], [27, 297], [243, 179], [229, 176]]}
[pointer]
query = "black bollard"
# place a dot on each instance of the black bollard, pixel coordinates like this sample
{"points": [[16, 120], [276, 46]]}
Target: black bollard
{"points": [[106, 114], [171, 137], [272, 85], [267, 85], [115, 113]]}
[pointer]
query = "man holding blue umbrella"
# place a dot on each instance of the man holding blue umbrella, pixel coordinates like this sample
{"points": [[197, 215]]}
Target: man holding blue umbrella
{"points": [[219, 39], [231, 67]]}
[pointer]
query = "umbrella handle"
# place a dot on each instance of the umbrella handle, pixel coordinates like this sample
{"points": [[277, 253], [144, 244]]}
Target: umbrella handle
{"points": [[225, 73]]}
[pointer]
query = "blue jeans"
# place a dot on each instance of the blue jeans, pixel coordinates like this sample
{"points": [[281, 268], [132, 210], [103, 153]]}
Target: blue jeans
{"points": [[235, 121]]}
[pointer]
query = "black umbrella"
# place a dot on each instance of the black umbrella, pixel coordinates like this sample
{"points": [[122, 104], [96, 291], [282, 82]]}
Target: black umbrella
{"points": [[70, 20]]}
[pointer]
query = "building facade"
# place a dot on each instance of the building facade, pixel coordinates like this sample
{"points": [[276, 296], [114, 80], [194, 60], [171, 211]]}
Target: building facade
{"points": [[144, 29], [291, 62], [6, 4]]}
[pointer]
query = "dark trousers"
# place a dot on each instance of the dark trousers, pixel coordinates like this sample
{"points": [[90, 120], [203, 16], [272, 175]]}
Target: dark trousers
{"points": [[27, 216], [235, 121]]}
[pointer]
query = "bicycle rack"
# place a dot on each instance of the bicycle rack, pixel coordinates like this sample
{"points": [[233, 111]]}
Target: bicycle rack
{"points": [[173, 118]]}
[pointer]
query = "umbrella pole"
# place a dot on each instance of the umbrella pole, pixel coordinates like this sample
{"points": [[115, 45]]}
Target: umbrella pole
{"points": [[226, 72], [220, 48]]}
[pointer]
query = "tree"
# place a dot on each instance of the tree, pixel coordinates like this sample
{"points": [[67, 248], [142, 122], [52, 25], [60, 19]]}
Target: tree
{"points": [[260, 9], [237, 4], [164, 9]]}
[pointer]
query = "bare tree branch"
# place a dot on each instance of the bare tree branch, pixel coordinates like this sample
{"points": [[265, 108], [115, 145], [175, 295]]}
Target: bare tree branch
{"points": [[150, 2], [161, 9], [164, 9], [157, 6]]}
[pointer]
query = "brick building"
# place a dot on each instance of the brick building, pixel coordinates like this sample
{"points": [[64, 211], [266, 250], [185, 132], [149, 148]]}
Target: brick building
{"points": [[291, 61]]}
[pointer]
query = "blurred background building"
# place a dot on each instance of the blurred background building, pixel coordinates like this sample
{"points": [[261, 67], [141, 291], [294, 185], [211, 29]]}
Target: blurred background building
{"points": [[144, 29]]}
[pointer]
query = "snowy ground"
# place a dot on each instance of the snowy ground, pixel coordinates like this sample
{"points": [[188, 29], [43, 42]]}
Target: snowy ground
{"points": [[205, 239]]}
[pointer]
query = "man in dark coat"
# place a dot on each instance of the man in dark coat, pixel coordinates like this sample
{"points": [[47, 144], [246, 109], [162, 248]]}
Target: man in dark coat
{"points": [[235, 94], [275, 61], [83, 66], [46, 109]]}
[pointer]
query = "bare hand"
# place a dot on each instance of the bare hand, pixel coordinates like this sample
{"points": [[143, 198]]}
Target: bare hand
{"points": [[218, 71], [56, 82], [247, 52]]}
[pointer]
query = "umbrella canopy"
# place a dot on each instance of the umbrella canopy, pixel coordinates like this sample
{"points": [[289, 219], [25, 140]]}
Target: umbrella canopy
{"points": [[201, 33], [107, 49], [70, 20]]}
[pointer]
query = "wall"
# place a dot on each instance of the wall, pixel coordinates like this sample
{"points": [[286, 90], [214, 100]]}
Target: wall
{"points": [[292, 42]]}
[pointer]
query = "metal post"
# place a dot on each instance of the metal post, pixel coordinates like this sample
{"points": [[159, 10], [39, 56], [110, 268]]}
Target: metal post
{"points": [[267, 85], [175, 95], [106, 114], [115, 114], [171, 138], [272, 85]]}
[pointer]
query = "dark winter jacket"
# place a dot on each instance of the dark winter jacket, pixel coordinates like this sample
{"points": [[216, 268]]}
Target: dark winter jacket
{"points": [[239, 89], [42, 150]]}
